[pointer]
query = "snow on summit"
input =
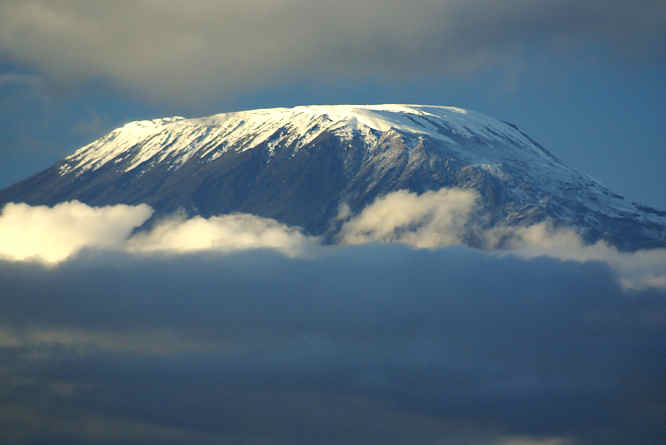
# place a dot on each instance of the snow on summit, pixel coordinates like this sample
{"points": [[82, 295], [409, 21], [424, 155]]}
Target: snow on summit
{"points": [[175, 140], [298, 165]]}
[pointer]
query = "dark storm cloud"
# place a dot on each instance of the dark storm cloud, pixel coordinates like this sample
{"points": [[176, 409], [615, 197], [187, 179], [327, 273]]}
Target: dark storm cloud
{"points": [[179, 50], [360, 345]]}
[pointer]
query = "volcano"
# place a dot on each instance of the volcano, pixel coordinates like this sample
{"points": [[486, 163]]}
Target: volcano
{"points": [[299, 165]]}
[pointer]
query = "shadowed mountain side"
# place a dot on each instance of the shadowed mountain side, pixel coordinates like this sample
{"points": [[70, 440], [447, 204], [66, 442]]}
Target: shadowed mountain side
{"points": [[300, 165]]}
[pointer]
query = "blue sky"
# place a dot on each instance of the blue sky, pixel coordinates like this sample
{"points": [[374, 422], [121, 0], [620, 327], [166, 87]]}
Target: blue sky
{"points": [[586, 81]]}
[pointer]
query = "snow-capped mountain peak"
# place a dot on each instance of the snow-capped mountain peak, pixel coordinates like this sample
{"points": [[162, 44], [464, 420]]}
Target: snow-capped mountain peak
{"points": [[175, 140], [298, 165]]}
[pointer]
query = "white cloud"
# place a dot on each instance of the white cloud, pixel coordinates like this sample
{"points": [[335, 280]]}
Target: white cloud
{"points": [[52, 234], [222, 233], [432, 219], [636, 270], [442, 218]]}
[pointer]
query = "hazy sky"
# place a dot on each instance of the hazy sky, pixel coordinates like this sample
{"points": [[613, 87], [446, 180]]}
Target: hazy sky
{"points": [[583, 78]]}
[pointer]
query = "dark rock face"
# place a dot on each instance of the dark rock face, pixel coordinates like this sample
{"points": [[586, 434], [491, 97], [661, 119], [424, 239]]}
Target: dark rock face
{"points": [[304, 185]]}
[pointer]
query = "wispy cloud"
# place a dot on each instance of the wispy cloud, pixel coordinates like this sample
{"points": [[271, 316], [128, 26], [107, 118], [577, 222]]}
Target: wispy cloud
{"points": [[432, 219], [446, 217]]}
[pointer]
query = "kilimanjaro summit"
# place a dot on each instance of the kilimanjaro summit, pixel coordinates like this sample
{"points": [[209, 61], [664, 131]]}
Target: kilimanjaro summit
{"points": [[300, 165]]}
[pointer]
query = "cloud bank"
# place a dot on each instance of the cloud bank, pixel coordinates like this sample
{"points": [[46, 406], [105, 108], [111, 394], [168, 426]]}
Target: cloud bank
{"points": [[186, 50], [240, 329], [54, 233], [365, 344], [226, 233], [643, 268], [432, 220], [443, 218]]}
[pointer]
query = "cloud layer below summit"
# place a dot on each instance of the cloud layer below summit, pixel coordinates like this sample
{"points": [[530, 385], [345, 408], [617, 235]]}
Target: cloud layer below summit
{"points": [[432, 220], [372, 343], [238, 328]]}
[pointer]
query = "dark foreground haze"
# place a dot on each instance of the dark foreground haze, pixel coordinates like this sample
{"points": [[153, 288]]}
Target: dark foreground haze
{"points": [[367, 344]]}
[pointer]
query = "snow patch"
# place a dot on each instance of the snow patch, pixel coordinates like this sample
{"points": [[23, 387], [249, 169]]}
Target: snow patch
{"points": [[177, 139]]}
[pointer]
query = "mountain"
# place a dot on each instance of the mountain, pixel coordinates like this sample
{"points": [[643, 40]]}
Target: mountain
{"points": [[298, 165]]}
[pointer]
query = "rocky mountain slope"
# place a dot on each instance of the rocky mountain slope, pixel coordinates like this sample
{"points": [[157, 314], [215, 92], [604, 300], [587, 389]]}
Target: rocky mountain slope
{"points": [[298, 165]]}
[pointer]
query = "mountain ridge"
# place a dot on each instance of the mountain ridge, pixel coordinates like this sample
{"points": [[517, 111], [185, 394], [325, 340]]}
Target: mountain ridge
{"points": [[298, 165], [245, 130]]}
